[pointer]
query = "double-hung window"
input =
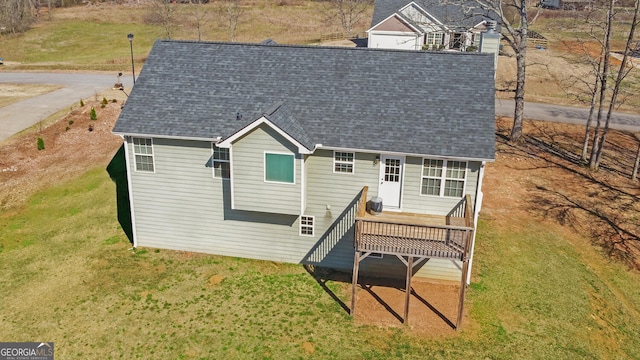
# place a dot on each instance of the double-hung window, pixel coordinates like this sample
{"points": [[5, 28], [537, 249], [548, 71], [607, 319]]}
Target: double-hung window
{"points": [[143, 153], [443, 177], [343, 162], [221, 163], [279, 168]]}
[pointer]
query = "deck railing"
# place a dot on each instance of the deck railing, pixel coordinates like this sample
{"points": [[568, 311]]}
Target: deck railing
{"points": [[462, 213], [362, 202], [392, 237]]}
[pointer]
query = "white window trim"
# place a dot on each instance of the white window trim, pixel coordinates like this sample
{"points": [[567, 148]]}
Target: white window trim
{"points": [[436, 36], [312, 226], [352, 163], [264, 167], [153, 155], [444, 178], [213, 162]]}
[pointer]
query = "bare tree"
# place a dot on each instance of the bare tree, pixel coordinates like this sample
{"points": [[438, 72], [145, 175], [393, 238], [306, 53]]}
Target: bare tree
{"points": [[348, 12], [515, 32], [623, 71], [163, 12], [233, 12], [15, 16], [199, 15]]}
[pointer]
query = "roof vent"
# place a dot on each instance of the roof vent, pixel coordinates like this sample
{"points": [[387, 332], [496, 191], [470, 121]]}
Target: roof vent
{"points": [[238, 116]]}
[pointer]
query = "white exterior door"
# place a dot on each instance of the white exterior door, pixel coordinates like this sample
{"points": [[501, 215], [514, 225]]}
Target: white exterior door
{"points": [[390, 180]]}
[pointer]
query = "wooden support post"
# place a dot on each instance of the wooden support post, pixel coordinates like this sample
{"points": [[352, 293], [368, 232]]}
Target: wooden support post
{"points": [[463, 286], [408, 293], [354, 281]]}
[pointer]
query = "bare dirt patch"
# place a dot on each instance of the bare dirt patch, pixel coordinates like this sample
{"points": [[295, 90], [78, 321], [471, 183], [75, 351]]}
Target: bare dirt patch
{"points": [[543, 178], [72, 145], [433, 307]]}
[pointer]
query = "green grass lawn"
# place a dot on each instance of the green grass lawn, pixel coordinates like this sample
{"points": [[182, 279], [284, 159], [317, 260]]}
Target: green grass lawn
{"points": [[68, 275]]}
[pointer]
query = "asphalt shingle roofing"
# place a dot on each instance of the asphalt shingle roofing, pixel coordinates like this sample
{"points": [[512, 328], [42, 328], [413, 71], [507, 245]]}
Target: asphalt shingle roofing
{"points": [[414, 102]]}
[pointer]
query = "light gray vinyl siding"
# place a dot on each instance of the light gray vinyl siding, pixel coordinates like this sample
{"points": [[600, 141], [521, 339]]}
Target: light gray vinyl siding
{"points": [[250, 190], [413, 201], [182, 207], [334, 230]]}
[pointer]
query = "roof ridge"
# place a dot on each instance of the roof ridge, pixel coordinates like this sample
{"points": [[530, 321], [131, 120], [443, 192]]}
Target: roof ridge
{"points": [[302, 46]]}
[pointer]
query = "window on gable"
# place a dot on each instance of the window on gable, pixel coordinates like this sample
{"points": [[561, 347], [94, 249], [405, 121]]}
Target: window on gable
{"points": [[343, 162], [443, 177], [306, 225], [279, 168], [143, 153], [221, 163]]}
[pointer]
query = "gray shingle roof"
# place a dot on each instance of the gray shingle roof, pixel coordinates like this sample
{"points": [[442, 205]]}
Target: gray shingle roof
{"points": [[430, 103], [457, 14]]}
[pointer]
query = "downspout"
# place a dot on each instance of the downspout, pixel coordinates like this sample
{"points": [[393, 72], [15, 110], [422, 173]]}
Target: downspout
{"points": [[476, 212], [130, 186]]}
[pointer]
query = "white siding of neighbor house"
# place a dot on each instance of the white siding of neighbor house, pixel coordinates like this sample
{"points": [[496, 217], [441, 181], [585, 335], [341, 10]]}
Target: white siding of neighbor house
{"points": [[250, 190], [394, 40], [181, 206]]}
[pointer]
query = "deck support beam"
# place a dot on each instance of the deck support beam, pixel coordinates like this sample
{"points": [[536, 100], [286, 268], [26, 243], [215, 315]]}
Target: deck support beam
{"points": [[354, 281], [408, 289], [463, 287]]}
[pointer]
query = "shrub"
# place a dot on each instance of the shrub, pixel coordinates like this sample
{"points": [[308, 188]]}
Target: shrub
{"points": [[70, 122], [81, 103], [93, 115], [105, 101], [471, 48], [114, 100], [40, 144], [103, 106]]}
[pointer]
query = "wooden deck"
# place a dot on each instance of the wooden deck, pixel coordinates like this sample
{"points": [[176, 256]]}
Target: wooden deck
{"points": [[419, 235], [411, 236]]}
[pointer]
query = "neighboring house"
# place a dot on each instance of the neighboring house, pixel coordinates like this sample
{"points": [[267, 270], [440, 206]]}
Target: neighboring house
{"points": [[270, 152], [429, 25]]}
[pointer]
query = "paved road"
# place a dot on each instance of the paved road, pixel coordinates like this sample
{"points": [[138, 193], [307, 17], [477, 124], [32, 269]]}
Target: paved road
{"points": [[23, 114], [566, 114]]}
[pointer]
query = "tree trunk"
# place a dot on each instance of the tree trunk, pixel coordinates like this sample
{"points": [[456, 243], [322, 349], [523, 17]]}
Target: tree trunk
{"points": [[622, 73], [521, 67], [594, 97], [636, 163], [603, 86]]}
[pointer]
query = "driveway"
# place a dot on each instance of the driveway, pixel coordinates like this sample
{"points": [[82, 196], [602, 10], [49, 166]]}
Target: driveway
{"points": [[25, 113], [566, 114]]}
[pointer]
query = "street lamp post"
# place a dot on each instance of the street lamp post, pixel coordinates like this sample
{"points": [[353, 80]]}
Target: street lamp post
{"points": [[133, 68]]}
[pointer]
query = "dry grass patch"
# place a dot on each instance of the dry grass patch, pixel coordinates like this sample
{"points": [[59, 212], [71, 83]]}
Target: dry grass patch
{"points": [[11, 93]]}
